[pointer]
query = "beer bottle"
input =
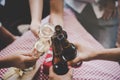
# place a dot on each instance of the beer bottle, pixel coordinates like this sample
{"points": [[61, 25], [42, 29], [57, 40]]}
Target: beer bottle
{"points": [[60, 66], [69, 50]]}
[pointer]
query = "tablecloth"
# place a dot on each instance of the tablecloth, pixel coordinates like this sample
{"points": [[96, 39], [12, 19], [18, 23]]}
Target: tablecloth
{"points": [[91, 70]]}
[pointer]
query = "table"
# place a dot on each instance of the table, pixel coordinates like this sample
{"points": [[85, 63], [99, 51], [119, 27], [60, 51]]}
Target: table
{"points": [[91, 70]]}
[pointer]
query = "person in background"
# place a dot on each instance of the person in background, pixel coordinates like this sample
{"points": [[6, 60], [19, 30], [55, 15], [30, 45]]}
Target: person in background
{"points": [[98, 17], [118, 40]]}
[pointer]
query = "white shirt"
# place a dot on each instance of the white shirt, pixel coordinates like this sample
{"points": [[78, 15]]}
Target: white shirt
{"points": [[2, 2]]}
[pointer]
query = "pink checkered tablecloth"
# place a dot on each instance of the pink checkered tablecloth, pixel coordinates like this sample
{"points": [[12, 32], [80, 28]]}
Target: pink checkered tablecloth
{"points": [[91, 70]]}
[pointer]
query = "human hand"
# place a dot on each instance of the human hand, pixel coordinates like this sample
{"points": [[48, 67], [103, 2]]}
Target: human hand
{"points": [[85, 53], [54, 76], [109, 8], [35, 29], [22, 61]]}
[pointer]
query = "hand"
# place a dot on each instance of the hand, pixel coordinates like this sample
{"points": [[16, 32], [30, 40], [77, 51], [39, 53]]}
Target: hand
{"points": [[54, 76], [22, 60], [85, 53], [35, 29], [109, 8]]}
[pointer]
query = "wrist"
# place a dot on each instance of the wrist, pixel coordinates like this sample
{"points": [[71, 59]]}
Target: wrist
{"points": [[98, 54], [102, 54], [56, 19], [34, 27]]}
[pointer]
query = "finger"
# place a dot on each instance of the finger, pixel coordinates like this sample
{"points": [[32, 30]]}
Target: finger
{"points": [[30, 58], [75, 61], [34, 52], [70, 72], [51, 72], [29, 64], [27, 54], [105, 15]]}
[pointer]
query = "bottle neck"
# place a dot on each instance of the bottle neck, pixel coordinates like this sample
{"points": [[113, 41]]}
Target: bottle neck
{"points": [[65, 43]]}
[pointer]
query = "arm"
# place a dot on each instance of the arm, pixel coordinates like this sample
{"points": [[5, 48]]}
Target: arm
{"points": [[6, 36], [56, 12], [109, 8], [36, 8], [18, 60], [109, 54], [87, 53]]}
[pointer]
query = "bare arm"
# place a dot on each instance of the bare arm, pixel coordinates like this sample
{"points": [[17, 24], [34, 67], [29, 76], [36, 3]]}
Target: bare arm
{"points": [[56, 12], [6, 36], [109, 54], [87, 53], [109, 8], [18, 60], [36, 8]]}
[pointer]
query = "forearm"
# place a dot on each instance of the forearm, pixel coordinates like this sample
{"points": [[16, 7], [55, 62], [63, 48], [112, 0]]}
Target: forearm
{"points": [[5, 62], [6, 36], [109, 54], [56, 12], [36, 8]]}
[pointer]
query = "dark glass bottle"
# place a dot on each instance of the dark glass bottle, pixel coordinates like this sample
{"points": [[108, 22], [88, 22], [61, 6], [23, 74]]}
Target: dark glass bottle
{"points": [[69, 50], [60, 66]]}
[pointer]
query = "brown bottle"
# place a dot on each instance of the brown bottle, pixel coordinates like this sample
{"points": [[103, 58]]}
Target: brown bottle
{"points": [[60, 66], [69, 50]]}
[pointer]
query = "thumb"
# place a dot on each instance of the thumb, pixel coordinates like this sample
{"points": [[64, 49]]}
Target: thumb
{"points": [[30, 58], [51, 72], [74, 61]]}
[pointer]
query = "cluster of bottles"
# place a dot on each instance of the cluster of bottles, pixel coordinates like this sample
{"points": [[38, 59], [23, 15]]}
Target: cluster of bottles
{"points": [[63, 51]]}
